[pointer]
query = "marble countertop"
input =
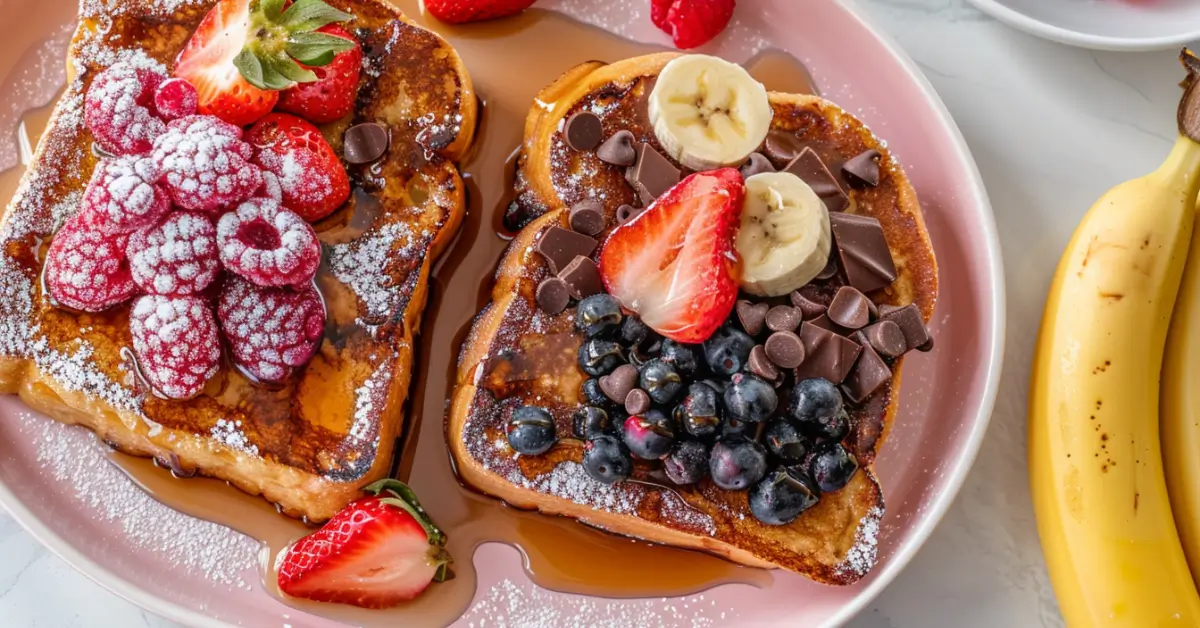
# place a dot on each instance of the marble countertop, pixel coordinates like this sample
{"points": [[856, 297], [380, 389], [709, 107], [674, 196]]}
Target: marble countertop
{"points": [[1051, 128]]}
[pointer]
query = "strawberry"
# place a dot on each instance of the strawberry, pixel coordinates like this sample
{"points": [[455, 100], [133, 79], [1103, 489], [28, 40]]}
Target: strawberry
{"points": [[244, 52], [691, 23], [377, 552], [674, 264], [463, 11], [332, 95], [312, 178]]}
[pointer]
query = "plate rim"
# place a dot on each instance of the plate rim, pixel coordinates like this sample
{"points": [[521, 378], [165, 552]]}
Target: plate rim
{"points": [[1036, 27]]}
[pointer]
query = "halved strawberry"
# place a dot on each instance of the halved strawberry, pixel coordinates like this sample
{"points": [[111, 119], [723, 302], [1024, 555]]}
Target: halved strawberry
{"points": [[674, 264], [377, 552], [332, 95]]}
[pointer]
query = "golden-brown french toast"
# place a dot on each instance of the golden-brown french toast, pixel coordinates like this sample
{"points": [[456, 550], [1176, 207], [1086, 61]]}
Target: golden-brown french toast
{"points": [[311, 443], [517, 354]]}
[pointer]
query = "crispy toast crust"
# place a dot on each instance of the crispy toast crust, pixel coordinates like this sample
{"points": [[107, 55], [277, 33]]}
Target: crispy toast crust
{"points": [[312, 444], [517, 353]]}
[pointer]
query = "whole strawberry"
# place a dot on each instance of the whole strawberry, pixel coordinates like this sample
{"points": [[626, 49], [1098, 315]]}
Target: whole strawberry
{"points": [[332, 95], [463, 11], [312, 178], [691, 23]]}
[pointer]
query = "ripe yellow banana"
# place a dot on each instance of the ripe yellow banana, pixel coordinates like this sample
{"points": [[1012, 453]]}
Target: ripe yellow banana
{"points": [[1095, 463]]}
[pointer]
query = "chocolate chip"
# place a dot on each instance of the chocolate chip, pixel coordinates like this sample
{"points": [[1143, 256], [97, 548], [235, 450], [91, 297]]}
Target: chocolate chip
{"points": [[618, 149], [637, 401], [830, 269], [435, 138], [782, 145], [869, 373], [757, 164], [761, 365], [652, 175], [887, 308], [616, 385], [863, 251], [625, 213], [783, 318], [560, 246], [584, 131], [849, 308], [823, 322], [364, 143], [826, 354], [582, 277], [863, 168], [873, 310], [912, 324], [553, 295], [927, 347], [587, 217], [886, 338], [785, 349], [809, 309], [808, 166], [751, 316]]}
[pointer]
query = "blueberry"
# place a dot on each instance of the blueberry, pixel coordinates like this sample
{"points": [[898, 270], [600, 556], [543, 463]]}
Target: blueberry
{"points": [[699, 412], [639, 356], [531, 430], [607, 460], [782, 496], [590, 421], [649, 435], [816, 406], [731, 427], [593, 395], [737, 463], [660, 381], [634, 332], [597, 314], [718, 385], [688, 463], [750, 399], [727, 351], [680, 356], [831, 466], [786, 442], [599, 357]]}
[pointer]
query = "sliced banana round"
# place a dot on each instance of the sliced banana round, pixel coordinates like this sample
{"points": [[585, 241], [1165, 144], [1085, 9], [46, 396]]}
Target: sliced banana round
{"points": [[708, 113], [784, 239]]}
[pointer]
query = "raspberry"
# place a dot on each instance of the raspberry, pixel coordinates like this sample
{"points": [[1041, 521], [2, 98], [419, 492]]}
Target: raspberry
{"points": [[268, 244], [175, 340], [270, 330], [205, 164], [270, 187], [175, 98], [176, 258], [124, 194], [119, 109], [86, 269], [691, 23]]}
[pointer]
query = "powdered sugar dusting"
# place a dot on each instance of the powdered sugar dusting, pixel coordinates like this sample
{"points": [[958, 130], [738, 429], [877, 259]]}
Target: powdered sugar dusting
{"points": [[368, 399], [862, 555], [359, 264], [230, 433]]}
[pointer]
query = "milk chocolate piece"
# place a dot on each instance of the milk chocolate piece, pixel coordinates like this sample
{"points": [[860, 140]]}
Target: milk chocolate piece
{"points": [[782, 145], [783, 318], [886, 338], [869, 373], [637, 402], [587, 217], [625, 213], [863, 251], [616, 385], [826, 354], [583, 131], [785, 349], [560, 246], [652, 175], [887, 308], [849, 308], [618, 149], [582, 277], [553, 295], [863, 168], [761, 365], [823, 322], [808, 166], [809, 309], [751, 316], [912, 324], [364, 143], [756, 164]]}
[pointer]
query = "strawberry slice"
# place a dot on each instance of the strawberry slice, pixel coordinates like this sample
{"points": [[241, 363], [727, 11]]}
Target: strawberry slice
{"points": [[377, 552], [207, 63], [674, 264]]}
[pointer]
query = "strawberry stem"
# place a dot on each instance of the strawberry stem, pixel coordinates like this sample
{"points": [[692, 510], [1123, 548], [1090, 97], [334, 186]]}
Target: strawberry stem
{"points": [[281, 40]]}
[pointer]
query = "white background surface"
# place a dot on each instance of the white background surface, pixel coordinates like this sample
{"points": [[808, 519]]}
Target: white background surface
{"points": [[1052, 128]]}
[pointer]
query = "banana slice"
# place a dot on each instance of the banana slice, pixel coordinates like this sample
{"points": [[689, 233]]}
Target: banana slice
{"points": [[708, 113], [784, 240]]}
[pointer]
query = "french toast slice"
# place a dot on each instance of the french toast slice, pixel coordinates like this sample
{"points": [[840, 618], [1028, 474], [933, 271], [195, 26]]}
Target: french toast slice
{"points": [[312, 443], [517, 354]]}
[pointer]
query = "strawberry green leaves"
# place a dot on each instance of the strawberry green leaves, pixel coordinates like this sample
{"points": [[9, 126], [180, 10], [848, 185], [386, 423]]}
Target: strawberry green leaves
{"points": [[280, 40]]}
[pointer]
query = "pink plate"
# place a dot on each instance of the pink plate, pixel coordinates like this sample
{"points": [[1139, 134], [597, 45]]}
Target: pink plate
{"points": [[54, 481]]}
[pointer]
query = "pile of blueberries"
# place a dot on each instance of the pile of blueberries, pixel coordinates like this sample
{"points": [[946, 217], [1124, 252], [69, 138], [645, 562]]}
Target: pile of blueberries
{"points": [[698, 410]]}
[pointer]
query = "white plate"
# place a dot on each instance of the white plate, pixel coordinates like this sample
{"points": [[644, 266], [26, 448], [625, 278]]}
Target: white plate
{"points": [[1103, 24]]}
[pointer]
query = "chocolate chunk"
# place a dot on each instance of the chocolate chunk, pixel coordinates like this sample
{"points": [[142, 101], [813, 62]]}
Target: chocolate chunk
{"points": [[830, 269], [785, 349], [652, 175], [869, 373], [761, 365], [616, 385], [757, 164], [912, 324], [927, 347], [823, 322], [751, 316], [364, 143], [873, 310], [584, 131], [587, 217], [886, 338], [582, 277], [637, 402], [783, 318], [435, 138], [863, 251], [625, 213], [863, 168], [887, 308], [809, 309], [826, 354], [782, 145], [618, 149], [553, 295], [560, 246], [849, 308], [808, 166]]}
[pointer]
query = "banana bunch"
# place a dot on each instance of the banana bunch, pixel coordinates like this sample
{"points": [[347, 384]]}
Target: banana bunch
{"points": [[1096, 463]]}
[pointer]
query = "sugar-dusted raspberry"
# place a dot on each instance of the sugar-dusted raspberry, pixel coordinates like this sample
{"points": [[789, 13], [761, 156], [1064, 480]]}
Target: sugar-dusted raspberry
{"points": [[270, 187], [205, 164], [176, 98], [119, 109], [123, 193], [86, 268], [177, 257], [270, 330], [268, 244], [176, 344]]}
